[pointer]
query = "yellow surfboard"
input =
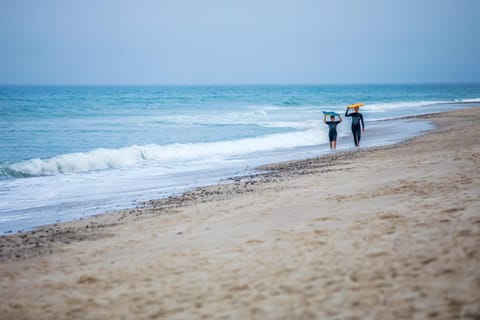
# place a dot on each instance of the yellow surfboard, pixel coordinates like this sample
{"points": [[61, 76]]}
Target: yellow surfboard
{"points": [[355, 105]]}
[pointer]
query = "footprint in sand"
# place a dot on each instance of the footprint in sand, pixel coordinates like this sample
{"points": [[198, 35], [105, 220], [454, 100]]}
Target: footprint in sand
{"points": [[255, 241], [453, 210], [320, 232], [86, 279], [464, 233], [325, 219], [340, 198], [388, 216]]}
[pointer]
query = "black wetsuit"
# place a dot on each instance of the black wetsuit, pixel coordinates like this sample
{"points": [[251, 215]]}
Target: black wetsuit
{"points": [[332, 133], [357, 118]]}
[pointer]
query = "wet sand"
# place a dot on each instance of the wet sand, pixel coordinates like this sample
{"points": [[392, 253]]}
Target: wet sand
{"points": [[384, 233]]}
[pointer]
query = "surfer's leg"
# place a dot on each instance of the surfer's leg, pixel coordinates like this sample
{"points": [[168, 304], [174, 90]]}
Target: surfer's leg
{"points": [[359, 135], [355, 135]]}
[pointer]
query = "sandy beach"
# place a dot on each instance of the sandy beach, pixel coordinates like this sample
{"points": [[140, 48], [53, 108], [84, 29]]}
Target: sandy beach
{"points": [[381, 233]]}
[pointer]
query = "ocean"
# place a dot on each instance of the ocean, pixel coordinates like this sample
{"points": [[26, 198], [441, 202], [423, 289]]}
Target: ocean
{"points": [[72, 151]]}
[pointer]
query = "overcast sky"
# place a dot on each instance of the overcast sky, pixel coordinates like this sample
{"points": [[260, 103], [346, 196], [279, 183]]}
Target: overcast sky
{"points": [[239, 42]]}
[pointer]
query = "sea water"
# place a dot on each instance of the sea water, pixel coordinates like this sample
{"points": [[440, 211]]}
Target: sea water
{"points": [[71, 151]]}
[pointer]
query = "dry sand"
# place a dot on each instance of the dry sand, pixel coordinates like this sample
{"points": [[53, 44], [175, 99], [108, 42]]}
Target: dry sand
{"points": [[380, 233]]}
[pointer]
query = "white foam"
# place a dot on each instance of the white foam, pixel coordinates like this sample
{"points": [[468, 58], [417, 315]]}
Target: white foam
{"points": [[229, 118], [101, 159], [470, 100], [295, 107], [383, 107], [301, 125], [265, 107]]}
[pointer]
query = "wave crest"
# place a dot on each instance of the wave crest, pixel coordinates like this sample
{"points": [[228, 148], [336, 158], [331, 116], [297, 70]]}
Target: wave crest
{"points": [[102, 159]]}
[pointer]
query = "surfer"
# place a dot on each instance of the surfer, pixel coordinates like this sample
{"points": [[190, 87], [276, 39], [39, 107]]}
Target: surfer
{"points": [[357, 118], [332, 132]]}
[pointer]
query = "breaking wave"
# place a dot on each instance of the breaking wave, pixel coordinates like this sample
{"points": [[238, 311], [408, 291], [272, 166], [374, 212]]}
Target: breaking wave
{"points": [[138, 155]]}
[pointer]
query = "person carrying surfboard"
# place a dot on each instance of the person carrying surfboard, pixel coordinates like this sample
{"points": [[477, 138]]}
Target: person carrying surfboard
{"points": [[332, 132], [357, 119]]}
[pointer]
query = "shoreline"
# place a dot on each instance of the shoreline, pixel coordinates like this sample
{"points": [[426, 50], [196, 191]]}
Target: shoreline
{"points": [[72, 230], [61, 231], [308, 152], [389, 232]]}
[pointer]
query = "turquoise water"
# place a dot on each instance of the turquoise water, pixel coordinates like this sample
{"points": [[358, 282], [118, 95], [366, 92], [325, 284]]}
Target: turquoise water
{"points": [[70, 151]]}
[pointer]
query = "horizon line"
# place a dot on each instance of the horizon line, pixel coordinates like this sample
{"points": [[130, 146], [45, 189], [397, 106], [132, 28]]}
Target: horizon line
{"points": [[236, 84]]}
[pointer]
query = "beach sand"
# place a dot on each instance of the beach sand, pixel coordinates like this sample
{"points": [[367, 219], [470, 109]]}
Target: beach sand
{"points": [[380, 233]]}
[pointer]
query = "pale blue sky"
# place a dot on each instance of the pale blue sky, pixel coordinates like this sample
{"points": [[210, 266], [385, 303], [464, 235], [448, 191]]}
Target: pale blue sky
{"points": [[238, 42]]}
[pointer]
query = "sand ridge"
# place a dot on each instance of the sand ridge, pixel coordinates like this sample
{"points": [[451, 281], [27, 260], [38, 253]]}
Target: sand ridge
{"points": [[381, 233]]}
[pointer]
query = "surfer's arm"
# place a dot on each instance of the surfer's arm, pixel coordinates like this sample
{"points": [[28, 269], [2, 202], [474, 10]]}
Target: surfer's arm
{"points": [[325, 118], [340, 118], [346, 113], [363, 124]]}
